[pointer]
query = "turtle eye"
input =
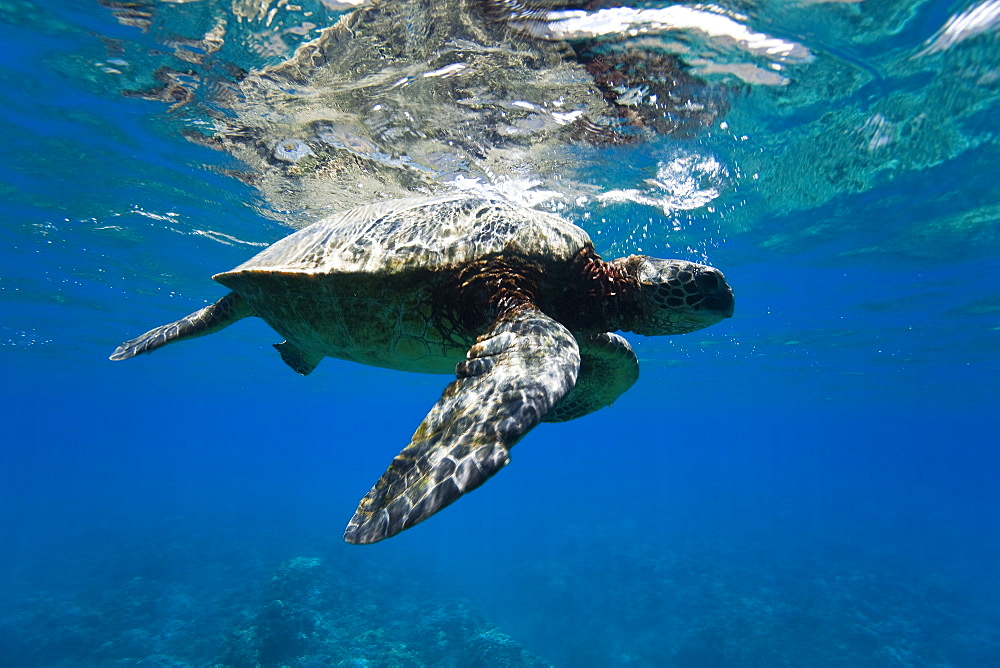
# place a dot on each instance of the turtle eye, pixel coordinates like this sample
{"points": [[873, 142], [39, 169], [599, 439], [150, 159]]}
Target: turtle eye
{"points": [[708, 281]]}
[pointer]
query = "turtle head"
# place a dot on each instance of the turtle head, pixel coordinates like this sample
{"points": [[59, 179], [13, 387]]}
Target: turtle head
{"points": [[676, 296]]}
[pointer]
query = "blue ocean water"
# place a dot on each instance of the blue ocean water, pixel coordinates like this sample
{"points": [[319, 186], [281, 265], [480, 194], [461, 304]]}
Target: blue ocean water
{"points": [[812, 482]]}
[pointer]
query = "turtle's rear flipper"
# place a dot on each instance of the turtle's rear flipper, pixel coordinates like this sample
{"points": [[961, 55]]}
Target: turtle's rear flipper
{"points": [[210, 319], [302, 361], [514, 375]]}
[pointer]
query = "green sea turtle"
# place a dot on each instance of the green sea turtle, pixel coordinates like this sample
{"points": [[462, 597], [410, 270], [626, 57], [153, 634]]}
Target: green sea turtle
{"points": [[516, 297]]}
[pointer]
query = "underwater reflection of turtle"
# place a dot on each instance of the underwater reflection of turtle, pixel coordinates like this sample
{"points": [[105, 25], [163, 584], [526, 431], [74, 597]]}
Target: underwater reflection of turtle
{"points": [[401, 97], [518, 298]]}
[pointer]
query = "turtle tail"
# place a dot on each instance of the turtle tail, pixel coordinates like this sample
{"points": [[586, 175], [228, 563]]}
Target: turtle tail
{"points": [[210, 319]]}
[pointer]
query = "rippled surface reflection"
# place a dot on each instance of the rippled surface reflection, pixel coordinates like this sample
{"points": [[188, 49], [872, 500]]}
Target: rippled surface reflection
{"points": [[738, 112]]}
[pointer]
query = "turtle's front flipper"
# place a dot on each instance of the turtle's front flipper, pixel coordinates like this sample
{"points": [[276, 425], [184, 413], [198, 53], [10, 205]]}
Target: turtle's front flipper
{"points": [[608, 367], [514, 375], [210, 319]]}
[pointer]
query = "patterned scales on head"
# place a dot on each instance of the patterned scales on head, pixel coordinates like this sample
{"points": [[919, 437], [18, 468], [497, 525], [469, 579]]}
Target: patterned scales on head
{"points": [[514, 301]]}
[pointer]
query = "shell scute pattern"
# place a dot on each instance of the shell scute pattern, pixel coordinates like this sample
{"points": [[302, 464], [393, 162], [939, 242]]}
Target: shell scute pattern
{"points": [[419, 233]]}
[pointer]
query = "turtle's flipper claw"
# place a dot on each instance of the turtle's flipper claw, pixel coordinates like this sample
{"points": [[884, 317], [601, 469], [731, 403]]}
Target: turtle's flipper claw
{"points": [[514, 375]]}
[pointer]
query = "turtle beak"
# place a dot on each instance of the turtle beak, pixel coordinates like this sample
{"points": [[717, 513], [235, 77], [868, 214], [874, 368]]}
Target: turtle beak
{"points": [[718, 295]]}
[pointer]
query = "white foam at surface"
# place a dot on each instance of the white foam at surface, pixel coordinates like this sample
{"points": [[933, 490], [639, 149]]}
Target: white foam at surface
{"points": [[628, 21], [681, 184], [980, 19]]}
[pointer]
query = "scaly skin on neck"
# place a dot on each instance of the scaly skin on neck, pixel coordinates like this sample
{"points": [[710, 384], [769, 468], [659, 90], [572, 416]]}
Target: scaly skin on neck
{"points": [[608, 293], [592, 295]]}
